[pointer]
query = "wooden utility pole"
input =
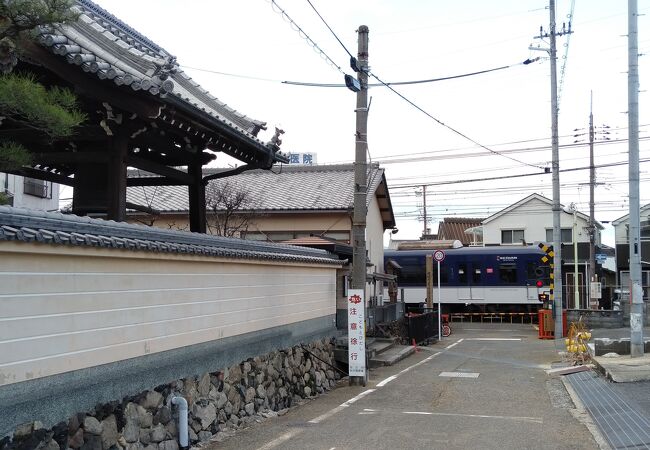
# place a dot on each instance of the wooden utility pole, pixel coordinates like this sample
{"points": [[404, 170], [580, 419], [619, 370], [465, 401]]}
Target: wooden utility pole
{"points": [[360, 174]]}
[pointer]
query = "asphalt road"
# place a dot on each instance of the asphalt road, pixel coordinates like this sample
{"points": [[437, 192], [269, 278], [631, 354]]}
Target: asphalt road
{"points": [[483, 387]]}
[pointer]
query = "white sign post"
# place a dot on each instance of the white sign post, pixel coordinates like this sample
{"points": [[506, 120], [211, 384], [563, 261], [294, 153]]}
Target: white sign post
{"points": [[356, 333], [439, 256]]}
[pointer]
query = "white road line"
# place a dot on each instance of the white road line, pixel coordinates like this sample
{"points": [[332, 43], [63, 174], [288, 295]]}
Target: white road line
{"points": [[382, 383], [358, 397], [493, 339], [480, 416], [341, 407], [279, 440], [459, 374], [386, 381]]}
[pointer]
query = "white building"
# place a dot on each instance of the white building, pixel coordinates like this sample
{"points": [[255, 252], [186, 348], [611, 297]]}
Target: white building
{"points": [[29, 192], [530, 220]]}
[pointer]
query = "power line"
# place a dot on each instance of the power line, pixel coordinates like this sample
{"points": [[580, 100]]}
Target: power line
{"points": [[504, 177], [453, 129], [401, 83], [331, 31], [418, 107], [304, 35]]}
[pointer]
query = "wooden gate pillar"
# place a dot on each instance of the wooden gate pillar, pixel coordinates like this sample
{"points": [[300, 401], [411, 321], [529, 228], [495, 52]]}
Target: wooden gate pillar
{"points": [[196, 191]]}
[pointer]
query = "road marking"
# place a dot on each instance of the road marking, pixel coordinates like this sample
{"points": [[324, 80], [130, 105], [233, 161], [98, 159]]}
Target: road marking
{"points": [[382, 383], [386, 381], [279, 440], [493, 339], [480, 416], [341, 407], [459, 374]]}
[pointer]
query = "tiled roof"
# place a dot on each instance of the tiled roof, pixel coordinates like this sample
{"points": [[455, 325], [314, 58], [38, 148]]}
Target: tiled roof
{"points": [[101, 44], [453, 228], [17, 224], [286, 188]]}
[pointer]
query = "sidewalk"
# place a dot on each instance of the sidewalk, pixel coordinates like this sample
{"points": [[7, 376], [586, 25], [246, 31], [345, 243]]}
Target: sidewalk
{"points": [[620, 368]]}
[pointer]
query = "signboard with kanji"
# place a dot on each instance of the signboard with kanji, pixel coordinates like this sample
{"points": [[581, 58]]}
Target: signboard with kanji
{"points": [[305, 159], [356, 333]]}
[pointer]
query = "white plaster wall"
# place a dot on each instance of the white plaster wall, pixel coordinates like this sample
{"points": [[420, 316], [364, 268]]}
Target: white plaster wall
{"points": [[534, 217], [375, 236], [620, 230], [15, 185], [68, 308]]}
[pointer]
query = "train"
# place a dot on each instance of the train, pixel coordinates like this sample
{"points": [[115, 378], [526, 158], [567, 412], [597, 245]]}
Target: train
{"points": [[475, 279]]}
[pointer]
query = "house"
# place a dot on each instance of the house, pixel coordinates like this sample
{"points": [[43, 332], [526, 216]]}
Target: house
{"points": [[621, 233], [530, 221], [31, 193], [287, 203]]}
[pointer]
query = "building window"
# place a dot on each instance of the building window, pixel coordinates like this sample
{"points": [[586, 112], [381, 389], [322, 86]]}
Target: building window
{"points": [[512, 236], [37, 188], [566, 235]]}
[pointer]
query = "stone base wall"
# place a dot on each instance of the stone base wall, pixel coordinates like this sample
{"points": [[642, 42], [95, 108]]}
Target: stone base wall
{"points": [[219, 402], [597, 318]]}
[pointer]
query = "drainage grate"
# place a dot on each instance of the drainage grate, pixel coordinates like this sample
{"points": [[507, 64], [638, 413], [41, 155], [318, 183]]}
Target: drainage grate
{"points": [[621, 423]]}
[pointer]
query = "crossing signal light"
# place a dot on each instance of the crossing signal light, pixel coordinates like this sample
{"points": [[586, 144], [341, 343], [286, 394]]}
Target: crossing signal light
{"points": [[543, 297], [539, 283]]}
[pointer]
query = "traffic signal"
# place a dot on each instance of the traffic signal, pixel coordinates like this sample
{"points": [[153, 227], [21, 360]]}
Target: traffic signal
{"points": [[549, 259], [543, 297]]}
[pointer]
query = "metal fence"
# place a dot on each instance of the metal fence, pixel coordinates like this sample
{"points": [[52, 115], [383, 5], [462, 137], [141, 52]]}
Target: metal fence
{"points": [[422, 324]]}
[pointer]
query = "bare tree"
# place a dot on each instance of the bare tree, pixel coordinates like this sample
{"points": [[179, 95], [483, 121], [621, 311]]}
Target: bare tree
{"points": [[231, 209]]}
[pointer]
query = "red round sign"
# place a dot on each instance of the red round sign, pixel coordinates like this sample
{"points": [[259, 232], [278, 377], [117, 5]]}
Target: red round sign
{"points": [[439, 255]]}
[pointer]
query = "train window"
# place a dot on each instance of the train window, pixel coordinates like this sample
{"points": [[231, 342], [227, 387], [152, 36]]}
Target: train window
{"points": [[462, 273], [531, 273], [476, 275], [508, 273]]}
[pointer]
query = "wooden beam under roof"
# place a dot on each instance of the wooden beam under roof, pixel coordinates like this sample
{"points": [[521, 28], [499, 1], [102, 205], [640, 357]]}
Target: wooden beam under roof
{"points": [[46, 158], [43, 175], [159, 169], [153, 181]]}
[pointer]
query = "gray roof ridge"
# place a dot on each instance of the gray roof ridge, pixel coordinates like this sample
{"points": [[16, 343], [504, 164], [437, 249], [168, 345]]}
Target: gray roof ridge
{"points": [[89, 6], [39, 225]]}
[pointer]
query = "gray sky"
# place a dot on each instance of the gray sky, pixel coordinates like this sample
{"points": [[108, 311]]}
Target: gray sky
{"points": [[506, 110]]}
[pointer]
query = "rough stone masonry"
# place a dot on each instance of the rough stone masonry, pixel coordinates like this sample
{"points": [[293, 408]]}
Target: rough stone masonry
{"points": [[219, 402]]}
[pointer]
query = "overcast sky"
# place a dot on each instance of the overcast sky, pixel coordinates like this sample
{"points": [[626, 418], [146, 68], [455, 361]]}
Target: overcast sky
{"points": [[504, 110]]}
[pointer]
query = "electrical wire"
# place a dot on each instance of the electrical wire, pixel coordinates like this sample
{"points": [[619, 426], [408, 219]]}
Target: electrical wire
{"points": [[505, 177], [451, 128], [330, 28], [304, 35], [342, 85]]}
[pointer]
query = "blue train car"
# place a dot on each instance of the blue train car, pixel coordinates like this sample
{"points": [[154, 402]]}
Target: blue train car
{"points": [[504, 279]]}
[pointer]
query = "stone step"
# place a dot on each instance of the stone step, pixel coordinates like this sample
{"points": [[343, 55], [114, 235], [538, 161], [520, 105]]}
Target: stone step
{"points": [[392, 355]]}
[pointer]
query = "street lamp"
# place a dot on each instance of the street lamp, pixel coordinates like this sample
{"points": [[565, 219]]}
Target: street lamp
{"points": [[571, 209]]}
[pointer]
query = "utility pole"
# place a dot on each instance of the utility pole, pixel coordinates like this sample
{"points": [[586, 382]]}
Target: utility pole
{"points": [[636, 290], [556, 289], [424, 208], [592, 182], [360, 174]]}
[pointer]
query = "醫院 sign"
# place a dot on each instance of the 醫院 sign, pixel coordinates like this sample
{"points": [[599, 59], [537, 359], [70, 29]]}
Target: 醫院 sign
{"points": [[356, 333]]}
